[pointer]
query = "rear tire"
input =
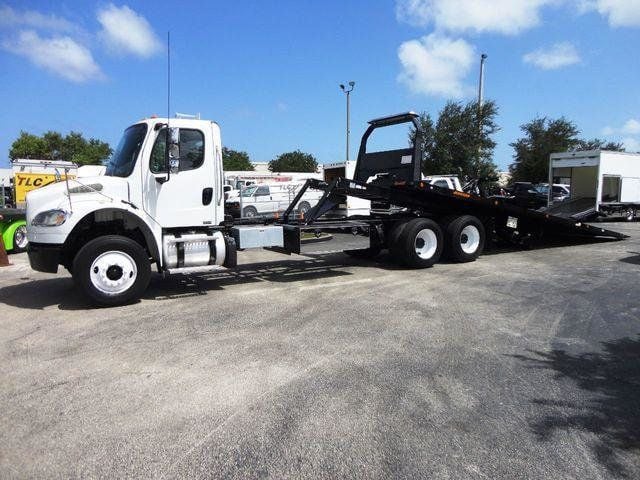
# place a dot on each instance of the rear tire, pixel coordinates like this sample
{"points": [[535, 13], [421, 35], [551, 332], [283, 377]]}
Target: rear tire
{"points": [[20, 241], [112, 270], [417, 243], [464, 238], [249, 212], [303, 208], [630, 214]]}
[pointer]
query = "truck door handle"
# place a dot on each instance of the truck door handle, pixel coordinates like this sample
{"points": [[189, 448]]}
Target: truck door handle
{"points": [[207, 196]]}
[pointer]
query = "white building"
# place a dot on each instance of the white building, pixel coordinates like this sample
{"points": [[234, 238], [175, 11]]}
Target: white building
{"points": [[5, 176], [261, 167]]}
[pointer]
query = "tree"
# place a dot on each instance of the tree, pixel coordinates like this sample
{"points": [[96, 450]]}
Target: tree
{"points": [[597, 144], [295, 161], [461, 140], [53, 146], [234, 160], [29, 146], [428, 139], [542, 137]]}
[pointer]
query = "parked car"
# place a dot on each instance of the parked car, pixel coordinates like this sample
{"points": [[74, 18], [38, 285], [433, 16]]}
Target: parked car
{"points": [[525, 194], [560, 191]]}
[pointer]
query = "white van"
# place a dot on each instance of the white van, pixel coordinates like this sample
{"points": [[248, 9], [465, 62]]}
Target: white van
{"points": [[269, 199]]}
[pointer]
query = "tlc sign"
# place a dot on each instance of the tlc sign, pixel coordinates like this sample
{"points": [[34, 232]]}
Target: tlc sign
{"points": [[25, 182]]}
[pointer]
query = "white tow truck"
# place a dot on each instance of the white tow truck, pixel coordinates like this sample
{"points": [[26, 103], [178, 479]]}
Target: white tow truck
{"points": [[161, 201]]}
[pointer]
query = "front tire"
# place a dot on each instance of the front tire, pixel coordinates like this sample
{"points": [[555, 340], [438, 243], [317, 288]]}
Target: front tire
{"points": [[112, 270], [20, 241]]}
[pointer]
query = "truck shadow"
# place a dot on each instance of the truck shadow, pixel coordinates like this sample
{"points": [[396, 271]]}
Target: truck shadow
{"points": [[299, 269], [61, 291], [549, 242], [633, 259], [39, 294], [608, 405]]}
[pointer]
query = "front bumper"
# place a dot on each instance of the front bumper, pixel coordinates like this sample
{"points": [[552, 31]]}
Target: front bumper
{"points": [[44, 257]]}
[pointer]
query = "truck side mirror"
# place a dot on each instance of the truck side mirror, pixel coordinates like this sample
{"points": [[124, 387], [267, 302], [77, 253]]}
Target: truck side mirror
{"points": [[174, 149]]}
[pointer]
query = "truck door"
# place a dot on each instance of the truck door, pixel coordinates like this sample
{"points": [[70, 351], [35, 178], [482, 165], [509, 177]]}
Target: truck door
{"points": [[264, 203], [190, 196]]}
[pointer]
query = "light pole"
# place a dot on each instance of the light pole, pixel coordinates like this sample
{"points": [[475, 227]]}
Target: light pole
{"points": [[348, 92], [483, 57]]}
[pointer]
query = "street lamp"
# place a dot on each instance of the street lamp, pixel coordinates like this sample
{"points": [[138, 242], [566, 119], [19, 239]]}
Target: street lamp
{"points": [[483, 57], [348, 91]]}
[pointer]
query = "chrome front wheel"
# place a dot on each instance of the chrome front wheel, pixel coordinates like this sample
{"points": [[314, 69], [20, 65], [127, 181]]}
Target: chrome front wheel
{"points": [[113, 272], [112, 269]]}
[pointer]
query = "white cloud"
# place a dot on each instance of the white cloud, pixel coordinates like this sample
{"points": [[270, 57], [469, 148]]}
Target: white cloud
{"points": [[557, 56], [499, 16], [62, 56], [631, 132], [436, 65], [125, 31], [631, 144], [631, 127], [619, 13], [10, 18]]}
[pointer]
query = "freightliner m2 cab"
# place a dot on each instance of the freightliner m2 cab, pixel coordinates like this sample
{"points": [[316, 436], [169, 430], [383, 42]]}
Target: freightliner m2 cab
{"points": [[161, 202]]}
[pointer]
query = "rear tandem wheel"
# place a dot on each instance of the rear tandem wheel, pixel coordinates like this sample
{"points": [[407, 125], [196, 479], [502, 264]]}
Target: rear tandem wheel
{"points": [[417, 243], [464, 238]]}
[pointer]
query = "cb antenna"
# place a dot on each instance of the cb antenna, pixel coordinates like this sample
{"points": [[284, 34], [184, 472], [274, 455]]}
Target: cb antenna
{"points": [[168, 77], [167, 160]]}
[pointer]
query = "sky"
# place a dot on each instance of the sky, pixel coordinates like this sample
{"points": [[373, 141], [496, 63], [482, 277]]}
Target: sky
{"points": [[269, 71]]}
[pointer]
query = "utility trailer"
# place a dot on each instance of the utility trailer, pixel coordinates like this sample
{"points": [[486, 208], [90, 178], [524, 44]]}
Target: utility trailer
{"points": [[603, 183], [161, 201]]}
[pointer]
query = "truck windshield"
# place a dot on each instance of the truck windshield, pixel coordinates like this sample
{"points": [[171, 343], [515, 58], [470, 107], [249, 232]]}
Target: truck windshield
{"points": [[126, 153], [248, 192]]}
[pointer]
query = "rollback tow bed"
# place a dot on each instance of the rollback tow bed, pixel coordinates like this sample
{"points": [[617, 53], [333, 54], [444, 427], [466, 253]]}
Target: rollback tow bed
{"points": [[461, 222]]}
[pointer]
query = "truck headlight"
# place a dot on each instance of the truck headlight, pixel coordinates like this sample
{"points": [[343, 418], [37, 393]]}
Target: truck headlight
{"points": [[50, 218]]}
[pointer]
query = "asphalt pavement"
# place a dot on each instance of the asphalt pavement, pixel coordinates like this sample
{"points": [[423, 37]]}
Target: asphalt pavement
{"points": [[523, 364]]}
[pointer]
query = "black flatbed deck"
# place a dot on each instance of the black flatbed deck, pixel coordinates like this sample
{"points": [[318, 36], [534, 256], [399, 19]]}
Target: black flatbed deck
{"points": [[423, 197]]}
